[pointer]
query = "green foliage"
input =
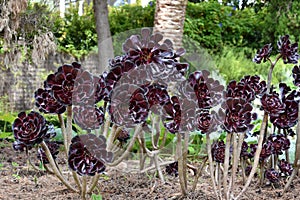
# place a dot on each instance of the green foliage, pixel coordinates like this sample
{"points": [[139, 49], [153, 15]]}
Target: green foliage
{"points": [[280, 17], [214, 25], [76, 34], [235, 63], [130, 17]]}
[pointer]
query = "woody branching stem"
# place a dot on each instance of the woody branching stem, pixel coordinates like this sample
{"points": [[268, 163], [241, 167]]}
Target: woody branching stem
{"points": [[262, 131], [55, 169], [180, 164], [126, 152], [211, 165]]}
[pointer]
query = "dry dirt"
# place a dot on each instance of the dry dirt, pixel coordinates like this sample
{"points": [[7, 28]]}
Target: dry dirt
{"points": [[18, 181]]}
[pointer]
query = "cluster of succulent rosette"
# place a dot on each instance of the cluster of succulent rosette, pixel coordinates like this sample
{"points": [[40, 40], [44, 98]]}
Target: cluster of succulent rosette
{"points": [[150, 80]]}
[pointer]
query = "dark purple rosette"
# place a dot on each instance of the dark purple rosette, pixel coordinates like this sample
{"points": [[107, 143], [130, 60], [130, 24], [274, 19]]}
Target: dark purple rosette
{"points": [[19, 146], [238, 115], [53, 147], [296, 75], [157, 96], [218, 151], [248, 88], [209, 92], [172, 169], [288, 51], [86, 89], [280, 143], [206, 121], [61, 83], [285, 167], [88, 117], [88, 155], [30, 129], [123, 136], [272, 104], [272, 175], [46, 103], [244, 151], [128, 105], [263, 54], [172, 115], [287, 117]]}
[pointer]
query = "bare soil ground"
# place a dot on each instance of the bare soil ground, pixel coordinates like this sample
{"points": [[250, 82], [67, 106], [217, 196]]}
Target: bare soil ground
{"points": [[18, 181]]}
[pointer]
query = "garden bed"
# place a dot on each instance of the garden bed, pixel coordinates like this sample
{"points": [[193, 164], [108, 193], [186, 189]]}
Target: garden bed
{"points": [[18, 181]]}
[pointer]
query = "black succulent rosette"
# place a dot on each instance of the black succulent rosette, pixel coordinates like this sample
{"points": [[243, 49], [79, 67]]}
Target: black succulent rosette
{"points": [[53, 148], [61, 83], [19, 146], [128, 105], [46, 103], [244, 150], [206, 121], [172, 115], [102, 90], [259, 86], [157, 96], [172, 169], [218, 151], [272, 104], [272, 175], [288, 117], [263, 54], [238, 115], [288, 51], [87, 89], [285, 167], [209, 92], [266, 151], [123, 136], [88, 155], [248, 88], [30, 129], [296, 75], [279, 142], [118, 69], [154, 57], [148, 48], [88, 117]]}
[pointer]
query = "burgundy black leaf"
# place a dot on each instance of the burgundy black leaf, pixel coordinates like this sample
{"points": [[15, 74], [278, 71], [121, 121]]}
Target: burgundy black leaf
{"points": [[30, 129], [88, 155]]}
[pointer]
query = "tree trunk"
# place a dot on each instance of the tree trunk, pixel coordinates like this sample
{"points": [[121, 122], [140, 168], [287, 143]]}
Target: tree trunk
{"points": [[169, 19], [105, 46]]}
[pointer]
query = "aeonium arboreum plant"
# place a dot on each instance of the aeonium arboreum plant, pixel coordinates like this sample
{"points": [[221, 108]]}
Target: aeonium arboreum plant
{"points": [[145, 92]]}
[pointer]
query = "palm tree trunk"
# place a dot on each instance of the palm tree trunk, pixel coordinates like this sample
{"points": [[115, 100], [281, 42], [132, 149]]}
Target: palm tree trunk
{"points": [[169, 20]]}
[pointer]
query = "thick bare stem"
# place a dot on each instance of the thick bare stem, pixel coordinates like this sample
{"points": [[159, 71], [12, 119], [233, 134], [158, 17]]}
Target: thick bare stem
{"points": [[93, 183], [83, 188], [157, 166], [180, 164], [106, 126], [184, 156], [69, 128], [55, 169], [226, 163], [211, 165], [111, 137], [237, 147], [257, 154], [198, 174], [63, 131], [138, 130]]}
